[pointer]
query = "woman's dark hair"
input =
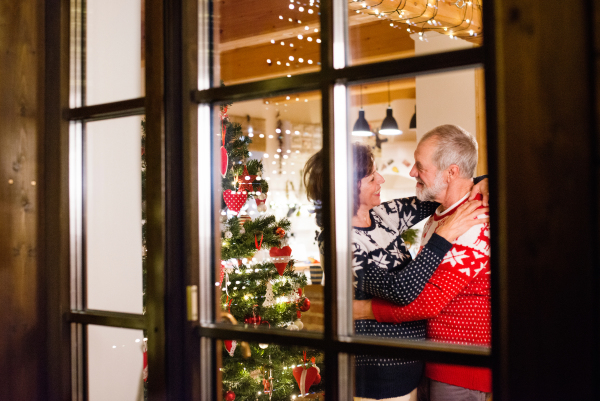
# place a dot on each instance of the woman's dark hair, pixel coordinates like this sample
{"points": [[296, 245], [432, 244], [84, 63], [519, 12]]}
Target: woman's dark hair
{"points": [[313, 175]]}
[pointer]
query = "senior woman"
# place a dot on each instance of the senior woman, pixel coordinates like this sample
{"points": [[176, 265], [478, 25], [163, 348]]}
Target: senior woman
{"points": [[377, 245]]}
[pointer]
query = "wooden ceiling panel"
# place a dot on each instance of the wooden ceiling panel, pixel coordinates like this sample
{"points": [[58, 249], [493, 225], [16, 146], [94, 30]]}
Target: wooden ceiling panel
{"points": [[378, 41], [250, 63], [251, 18]]}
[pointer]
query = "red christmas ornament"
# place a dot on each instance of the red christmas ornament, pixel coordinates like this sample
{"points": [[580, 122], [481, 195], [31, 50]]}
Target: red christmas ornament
{"points": [[281, 257], [280, 232], [230, 346], [234, 200], [229, 396], [305, 377], [253, 320], [317, 380], [304, 305]]}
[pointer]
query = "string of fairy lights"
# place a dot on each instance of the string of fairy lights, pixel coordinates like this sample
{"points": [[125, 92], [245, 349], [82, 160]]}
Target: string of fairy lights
{"points": [[426, 19], [416, 17]]}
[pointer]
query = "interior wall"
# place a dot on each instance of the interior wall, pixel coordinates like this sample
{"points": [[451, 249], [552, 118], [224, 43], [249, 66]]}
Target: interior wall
{"points": [[22, 315], [446, 98]]}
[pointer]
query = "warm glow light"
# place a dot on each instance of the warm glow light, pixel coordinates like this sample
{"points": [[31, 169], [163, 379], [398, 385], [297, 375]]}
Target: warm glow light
{"points": [[299, 36], [291, 6]]}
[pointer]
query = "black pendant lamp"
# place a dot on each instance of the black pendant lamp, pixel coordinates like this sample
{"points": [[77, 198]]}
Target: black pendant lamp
{"points": [[413, 121], [389, 126], [361, 126]]}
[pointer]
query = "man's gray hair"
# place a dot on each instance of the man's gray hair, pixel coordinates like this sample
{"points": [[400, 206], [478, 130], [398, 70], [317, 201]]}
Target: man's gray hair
{"points": [[454, 146]]}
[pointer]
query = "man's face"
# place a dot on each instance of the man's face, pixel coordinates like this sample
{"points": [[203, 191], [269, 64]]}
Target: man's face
{"points": [[430, 182]]}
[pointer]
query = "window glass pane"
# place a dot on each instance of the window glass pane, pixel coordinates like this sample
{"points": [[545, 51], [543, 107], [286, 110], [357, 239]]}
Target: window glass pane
{"points": [[417, 379], [416, 284], [113, 214], [265, 39], [115, 364], [270, 372], [113, 68], [387, 30], [270, 272]]}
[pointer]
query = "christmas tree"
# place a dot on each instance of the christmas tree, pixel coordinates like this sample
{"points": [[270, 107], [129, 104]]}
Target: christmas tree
{"points": [[259, 286]]}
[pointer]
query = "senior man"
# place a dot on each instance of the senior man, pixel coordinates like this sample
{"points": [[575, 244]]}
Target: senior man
{"points": [[456, 299]]}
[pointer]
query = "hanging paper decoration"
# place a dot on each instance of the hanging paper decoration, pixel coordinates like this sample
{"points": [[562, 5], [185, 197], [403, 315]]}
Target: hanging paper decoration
{"points": [[230, 346], [257, 242], [269, 296], [261, 200], [234, 200], [222, 273], [224, 159], [317, 379], [305, 377], [246, 180], [281, 257], [224, 156], [299, 323]]}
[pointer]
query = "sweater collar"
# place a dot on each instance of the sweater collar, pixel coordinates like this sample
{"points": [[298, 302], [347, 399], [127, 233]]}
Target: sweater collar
{"points": [[371, 227], [440, 215]]}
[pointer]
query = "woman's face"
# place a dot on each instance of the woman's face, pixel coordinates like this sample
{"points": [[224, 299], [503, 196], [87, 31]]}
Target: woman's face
{"points": [[370, 188]]}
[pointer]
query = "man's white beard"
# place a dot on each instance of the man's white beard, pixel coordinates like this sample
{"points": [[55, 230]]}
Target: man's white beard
{"points": [[429, 194]]}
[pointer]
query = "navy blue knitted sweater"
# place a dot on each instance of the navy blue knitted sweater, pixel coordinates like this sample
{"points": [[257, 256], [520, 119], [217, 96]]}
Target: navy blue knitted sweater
{"points": [[383, 268]]}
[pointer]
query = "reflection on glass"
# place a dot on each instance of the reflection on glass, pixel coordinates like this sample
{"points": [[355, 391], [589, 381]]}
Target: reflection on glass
{"points": [[266, 39], [115, 364], [421, 264], [113, 52], [271, 372], [270, 273], [113, 214], [387, 30]]}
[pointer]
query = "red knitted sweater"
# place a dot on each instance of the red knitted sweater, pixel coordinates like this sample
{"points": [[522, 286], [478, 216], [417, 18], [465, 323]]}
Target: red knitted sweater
{"points": [[456, 300]]}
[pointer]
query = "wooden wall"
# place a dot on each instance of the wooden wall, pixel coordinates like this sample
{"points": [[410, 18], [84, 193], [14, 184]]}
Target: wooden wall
{"points": [[22, 311]]}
